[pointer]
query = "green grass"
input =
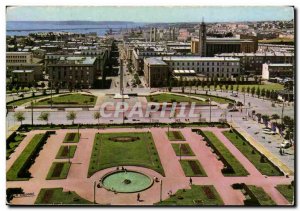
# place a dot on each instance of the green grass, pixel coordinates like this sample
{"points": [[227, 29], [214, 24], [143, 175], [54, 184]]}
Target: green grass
{"points": [[266, 168], [13, 145], [235, 164], [25, 156], [169, 98], [188, 171], [176, 148], [193, 197], [74, 140], [287, 191], [63, 173], [60, 153], [107, 153], [172, 136], [216, 99], [70, 99], [25, 100], [270, 86], [59, 197], [262, 197]]}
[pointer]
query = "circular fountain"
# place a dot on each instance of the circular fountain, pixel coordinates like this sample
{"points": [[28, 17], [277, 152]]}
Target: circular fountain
{"points": [[126, 181]]}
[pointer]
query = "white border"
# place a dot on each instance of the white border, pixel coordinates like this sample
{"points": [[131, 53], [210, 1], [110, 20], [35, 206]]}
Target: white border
{"points": [[5, 3]]}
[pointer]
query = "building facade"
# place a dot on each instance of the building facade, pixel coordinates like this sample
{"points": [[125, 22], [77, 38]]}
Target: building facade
{"points": [[156, 72], [73, 72], [277, 70]]}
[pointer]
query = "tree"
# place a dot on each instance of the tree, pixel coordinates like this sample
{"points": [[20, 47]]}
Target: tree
{"points": [[275, 117], [231, 87], [237, 88], [44, 116], [19, 116], [252, 91], [268, 93], [258, 92], [221, 87], [97, 116], [202, 84], [243, 89], [265, 118], [71, 115], [263, 93], [226, 87], [248, 90]]}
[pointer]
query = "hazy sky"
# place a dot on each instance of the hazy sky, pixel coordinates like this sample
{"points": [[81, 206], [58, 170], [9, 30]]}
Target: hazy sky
{"points": [[149, 14]]}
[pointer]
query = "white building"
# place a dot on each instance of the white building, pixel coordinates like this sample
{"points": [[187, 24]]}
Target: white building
{"points": [[208, 66], [277, 70]]}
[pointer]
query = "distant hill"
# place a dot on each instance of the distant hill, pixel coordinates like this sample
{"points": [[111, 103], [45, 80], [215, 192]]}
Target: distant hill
{"points": [[79, 22]]}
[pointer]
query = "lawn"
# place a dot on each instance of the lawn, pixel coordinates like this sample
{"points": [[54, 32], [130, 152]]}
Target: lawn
{"points": [[175, 136], [71, 138], [239, 170], [197, 195], [57, 196], [192, 168], [287, 191], [64, 153], [107, 152], [13, 145], [266, 167], [262, 197], [185, 150], [270, 86], [70, 99], [216, 99], [25, 100], [58, 170], [170, 98], [22, 163]]}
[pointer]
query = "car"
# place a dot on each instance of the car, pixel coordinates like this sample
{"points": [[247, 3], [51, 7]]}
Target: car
{"points": [[268, 131], [285, 144], [234, 95], [233, 110]]}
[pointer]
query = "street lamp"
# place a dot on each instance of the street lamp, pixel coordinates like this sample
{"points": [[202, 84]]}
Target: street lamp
{"points": [[209, 110]]}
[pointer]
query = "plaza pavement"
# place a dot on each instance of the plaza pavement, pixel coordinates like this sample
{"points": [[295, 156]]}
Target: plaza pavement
{"points": [[174, 176]]}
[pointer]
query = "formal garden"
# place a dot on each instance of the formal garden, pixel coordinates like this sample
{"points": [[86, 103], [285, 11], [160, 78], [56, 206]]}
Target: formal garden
{"points": [[120, 149]]}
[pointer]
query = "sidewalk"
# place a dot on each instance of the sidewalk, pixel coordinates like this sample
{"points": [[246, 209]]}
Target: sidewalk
{"points": [[264, 151]]}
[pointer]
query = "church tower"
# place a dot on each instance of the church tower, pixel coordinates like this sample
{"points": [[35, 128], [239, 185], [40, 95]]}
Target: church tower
{"points": [[202, 40]]}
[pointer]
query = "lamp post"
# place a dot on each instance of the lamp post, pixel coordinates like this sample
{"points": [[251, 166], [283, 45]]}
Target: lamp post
{"points": [[209, 110], [31, 112], [180, 152], [161, 185]]}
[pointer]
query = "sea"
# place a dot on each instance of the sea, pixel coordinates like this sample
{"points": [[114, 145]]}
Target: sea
{"points": [[23, 28]]}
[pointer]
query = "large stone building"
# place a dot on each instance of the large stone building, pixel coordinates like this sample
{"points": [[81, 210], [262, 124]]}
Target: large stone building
{"points": [[209, 46], [270, 71], [73, 72], [156, 72], [251, 63], [26, 77], [208, 66]]}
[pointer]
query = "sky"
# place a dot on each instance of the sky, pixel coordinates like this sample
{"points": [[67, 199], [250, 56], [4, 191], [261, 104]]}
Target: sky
{"points": [[149, 14]]}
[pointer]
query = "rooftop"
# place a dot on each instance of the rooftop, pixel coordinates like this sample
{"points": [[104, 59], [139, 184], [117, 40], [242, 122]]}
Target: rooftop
{"points": [[198, 58], [155, 61], [23, 71]]}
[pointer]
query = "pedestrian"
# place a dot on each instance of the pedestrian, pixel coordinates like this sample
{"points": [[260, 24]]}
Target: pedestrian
{"points": [[191, 181], [138, 197]]}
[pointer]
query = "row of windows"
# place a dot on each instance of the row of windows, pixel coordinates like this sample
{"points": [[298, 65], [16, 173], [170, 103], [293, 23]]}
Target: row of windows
{"points": [[16, 61], [204, 63], [212, 69], [15, 57]]}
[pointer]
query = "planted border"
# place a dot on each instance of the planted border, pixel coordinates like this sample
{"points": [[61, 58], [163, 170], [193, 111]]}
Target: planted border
{"points": [[192, 168], [257, 196], [175, 136], [185, 149], [72, 138], [58, 170], [261, 162], [20, 169], [63, 152], [231, 165]]}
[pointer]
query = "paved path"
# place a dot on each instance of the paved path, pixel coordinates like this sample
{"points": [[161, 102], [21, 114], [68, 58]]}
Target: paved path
{"points": [[174, 176]]}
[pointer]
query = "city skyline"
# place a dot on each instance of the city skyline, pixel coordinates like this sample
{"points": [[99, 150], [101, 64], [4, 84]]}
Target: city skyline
{"points": [[144, 14]]}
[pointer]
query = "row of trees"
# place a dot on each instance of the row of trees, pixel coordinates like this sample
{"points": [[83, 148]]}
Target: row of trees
{"points": [[44, 116]]}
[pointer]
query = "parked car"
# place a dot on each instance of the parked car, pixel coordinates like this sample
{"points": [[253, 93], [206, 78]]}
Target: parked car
{"points": [[268, 131], [234, 95], [233, 110], [286, 144]]}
